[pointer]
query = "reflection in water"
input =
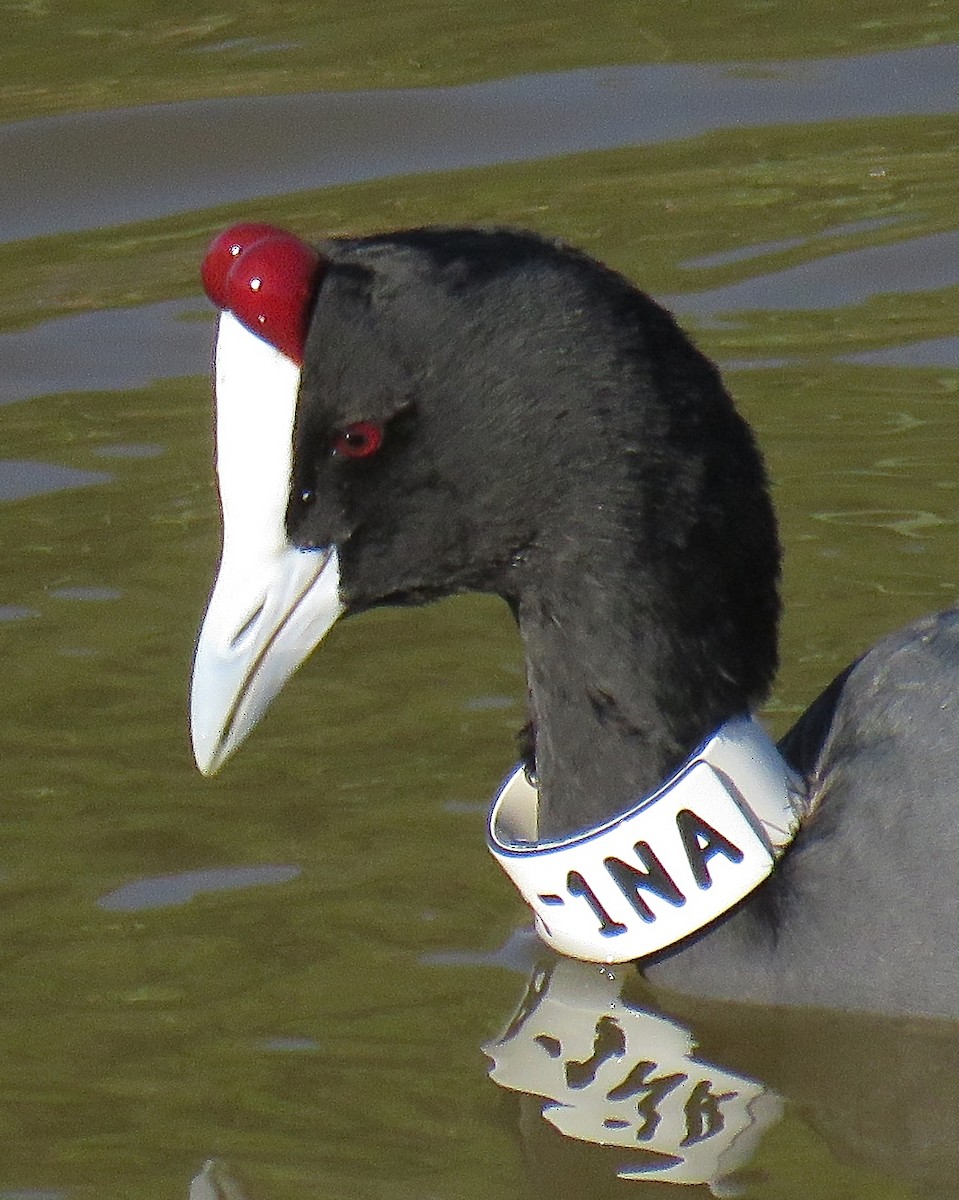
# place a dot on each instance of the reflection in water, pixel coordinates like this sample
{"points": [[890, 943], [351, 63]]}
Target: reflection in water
{"points": [[67, 353], [623, 1096], [34, 1194], [615, 1075], [17, 612], [86, 593], [936, 352], [215, 1182], [168, 890], [738, 254], [517, 953], [130, 450], [102, 168], [918, 264], [711, 1094], [20, 480]]}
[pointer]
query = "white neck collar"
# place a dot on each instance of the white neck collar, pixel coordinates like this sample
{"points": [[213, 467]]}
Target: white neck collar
{"points": [[672, 863]]}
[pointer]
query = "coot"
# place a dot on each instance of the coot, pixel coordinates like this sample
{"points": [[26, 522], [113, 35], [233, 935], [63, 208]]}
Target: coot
{"points": [[432, 411]]}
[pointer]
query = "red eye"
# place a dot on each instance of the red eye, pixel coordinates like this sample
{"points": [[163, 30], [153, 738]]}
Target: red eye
{"points": [[359, 440]]}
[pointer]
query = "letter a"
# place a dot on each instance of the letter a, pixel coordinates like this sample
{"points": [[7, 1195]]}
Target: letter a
{"points": [[701, 842]]}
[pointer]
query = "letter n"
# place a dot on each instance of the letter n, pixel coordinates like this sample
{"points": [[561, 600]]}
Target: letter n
{"points": [[655, 878]]}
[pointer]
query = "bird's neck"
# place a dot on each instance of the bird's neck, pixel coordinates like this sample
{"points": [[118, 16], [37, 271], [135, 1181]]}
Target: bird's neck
{"points": [[621, 691]]}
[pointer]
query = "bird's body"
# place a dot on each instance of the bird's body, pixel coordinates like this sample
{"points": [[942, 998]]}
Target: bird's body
{"points": [[863, 911], [490, 411]]}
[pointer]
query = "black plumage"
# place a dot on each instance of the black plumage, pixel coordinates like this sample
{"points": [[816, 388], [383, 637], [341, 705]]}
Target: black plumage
{"points": [[551, 436]]}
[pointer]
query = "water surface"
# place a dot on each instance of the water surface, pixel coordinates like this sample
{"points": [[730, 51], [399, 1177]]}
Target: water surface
{"points": [[278, 983]]}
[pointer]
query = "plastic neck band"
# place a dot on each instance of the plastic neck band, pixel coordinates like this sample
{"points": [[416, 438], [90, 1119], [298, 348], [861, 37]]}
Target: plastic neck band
{"points": [[668, 866]]}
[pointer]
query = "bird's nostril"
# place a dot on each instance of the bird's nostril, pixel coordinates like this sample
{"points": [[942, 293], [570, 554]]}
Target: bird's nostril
{"points": [[247, 625]]}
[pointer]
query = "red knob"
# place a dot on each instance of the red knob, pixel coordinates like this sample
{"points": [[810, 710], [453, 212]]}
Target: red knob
{"points": [[224, 250], [268, 279]]}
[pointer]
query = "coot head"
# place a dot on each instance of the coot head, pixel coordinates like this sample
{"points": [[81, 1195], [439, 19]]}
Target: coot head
{"points": [[445, 410]]}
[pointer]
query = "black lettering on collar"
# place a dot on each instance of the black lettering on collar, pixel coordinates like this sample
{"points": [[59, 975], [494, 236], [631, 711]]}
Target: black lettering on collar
{"points": [[655, 878], [701, 841]]}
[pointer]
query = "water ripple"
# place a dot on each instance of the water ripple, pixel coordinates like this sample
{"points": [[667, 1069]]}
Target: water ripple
{"points": [[167, 891], [87, 170], [21, 480]]}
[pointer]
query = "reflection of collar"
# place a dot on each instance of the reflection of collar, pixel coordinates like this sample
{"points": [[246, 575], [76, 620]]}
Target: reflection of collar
{"points": [[668, 866], [620, 1076]]}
